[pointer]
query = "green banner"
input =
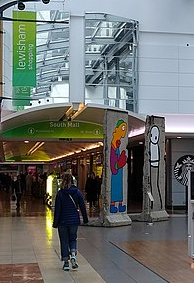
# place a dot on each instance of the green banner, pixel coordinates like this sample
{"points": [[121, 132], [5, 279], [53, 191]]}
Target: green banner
{"points": [[24, 49], [21, 95], [57, 130]]}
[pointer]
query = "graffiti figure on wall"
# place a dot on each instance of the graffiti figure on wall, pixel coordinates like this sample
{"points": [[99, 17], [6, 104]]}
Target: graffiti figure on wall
{"points": [[155, 159], [117, 162]]}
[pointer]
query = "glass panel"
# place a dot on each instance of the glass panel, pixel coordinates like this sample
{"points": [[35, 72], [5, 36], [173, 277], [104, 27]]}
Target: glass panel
{"points": [[52, 61], [52, 58], [110, 61]]}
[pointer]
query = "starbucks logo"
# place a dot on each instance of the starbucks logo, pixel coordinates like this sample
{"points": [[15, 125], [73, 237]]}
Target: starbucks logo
{"points": [[182, 168]]}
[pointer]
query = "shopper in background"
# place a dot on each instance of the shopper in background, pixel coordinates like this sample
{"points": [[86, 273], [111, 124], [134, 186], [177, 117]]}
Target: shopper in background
{"points": [[29, 180], [23, 181], [36, 186], [99, 184], [67, 219], [17, 189], [91, 189]]}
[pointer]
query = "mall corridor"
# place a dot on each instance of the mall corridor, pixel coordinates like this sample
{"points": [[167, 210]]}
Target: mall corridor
{"points": [[139, 253]]}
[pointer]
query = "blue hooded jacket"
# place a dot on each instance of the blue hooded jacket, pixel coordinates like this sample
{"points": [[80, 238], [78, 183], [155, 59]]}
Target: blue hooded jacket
{"points": [[66, 211]]}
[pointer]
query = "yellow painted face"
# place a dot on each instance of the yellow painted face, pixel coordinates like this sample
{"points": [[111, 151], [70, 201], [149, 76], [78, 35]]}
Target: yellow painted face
{"points": [[119, 133], [123, 129]]}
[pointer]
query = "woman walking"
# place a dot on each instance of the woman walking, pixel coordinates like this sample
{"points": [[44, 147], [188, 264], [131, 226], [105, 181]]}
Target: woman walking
{"points": [[67, 219]]}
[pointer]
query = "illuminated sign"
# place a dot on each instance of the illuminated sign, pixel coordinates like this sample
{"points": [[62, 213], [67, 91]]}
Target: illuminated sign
{"points": [[57, 129]]}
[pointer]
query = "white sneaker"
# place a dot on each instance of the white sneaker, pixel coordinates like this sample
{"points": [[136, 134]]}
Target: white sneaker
{"points": [[74, 263], [66, 266]]}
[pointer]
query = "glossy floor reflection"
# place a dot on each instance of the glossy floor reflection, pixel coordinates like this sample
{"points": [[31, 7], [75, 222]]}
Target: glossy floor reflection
{"points": [[29, 206], [29, 249]]}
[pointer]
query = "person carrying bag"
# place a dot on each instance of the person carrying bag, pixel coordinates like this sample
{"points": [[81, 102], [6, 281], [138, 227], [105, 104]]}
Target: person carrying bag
{"points": [[69, 200]]}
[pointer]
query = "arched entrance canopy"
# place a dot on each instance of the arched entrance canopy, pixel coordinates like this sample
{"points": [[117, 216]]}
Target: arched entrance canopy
{"points": [[51, 147]]}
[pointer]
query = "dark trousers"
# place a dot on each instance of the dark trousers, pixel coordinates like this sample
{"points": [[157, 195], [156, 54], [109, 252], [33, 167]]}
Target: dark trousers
{"points": [[68, 240], [92, 202], [18, 199]]}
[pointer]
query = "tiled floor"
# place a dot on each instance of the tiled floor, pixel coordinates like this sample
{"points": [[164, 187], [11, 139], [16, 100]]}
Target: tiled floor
{"points": [[29, 248], [20, 273]]}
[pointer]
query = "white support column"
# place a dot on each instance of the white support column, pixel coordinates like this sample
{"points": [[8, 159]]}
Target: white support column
{"points": [[77, 59]]}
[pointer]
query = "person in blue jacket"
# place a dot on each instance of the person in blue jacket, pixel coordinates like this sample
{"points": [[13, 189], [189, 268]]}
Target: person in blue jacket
{"points": [[69, 200]]}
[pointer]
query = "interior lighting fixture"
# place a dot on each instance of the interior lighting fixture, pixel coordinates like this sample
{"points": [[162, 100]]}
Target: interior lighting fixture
{"points": [[69, 111], [136, 132], [49, 185], [62, 156], [96, 145], [179, 137], [35, 147], [41, 144], [75, 109]]}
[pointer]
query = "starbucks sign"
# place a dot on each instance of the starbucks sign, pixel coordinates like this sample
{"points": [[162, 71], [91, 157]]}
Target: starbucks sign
{"points": [[182, 167]]}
